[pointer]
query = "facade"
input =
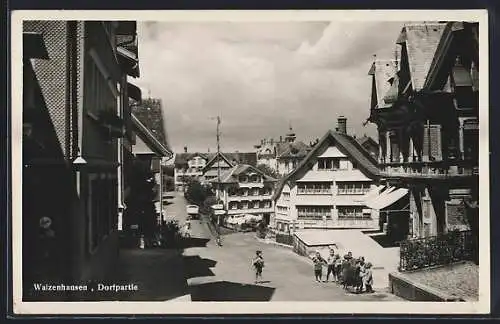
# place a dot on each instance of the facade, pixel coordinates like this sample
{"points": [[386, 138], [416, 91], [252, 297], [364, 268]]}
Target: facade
{"points": [[244, 189], [152, 154], [188, 166], [282, 155], [74, 111], [425, 106], [327, 189], [217, 165]]}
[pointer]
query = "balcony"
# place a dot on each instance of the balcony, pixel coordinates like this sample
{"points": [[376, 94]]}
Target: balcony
{"points": [[437, 170], [249, 211], [248, 198], [251, 184]]}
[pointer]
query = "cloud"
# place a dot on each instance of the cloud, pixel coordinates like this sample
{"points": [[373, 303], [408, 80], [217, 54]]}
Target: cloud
{"points": [[260, 77]]}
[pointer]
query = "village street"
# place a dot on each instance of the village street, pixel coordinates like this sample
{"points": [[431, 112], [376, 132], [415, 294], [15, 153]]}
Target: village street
{"points": [[204, 271]]}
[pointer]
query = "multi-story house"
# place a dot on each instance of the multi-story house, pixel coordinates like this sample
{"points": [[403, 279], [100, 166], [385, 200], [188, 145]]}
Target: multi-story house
{"points": [[204, 166], [220, 162], [327, 189], [425, 105], [244, 189], [282, 155], [188, 166], [75, 102]]}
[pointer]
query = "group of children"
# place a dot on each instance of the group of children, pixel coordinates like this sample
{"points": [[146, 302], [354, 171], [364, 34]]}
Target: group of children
{"points": [[348, 271]]}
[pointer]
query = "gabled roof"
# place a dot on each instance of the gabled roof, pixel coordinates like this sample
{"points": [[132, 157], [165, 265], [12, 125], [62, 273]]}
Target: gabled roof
{"points": [[383, 71], [231, 175], [366, 139], [183, 158], [150, 113], [149, 139], [294, 149], [421, 41], [215, 158], [345, 143]]}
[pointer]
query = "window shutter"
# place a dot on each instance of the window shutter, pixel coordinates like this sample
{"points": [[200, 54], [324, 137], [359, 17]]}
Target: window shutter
{"points": [[432, 143]]}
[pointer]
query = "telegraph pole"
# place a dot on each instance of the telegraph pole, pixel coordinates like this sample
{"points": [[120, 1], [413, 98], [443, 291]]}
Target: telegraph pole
{"points": [[218, 168]]}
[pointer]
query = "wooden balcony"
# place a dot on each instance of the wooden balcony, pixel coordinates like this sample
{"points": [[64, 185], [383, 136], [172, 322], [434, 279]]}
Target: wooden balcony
{"points": [[249, 198], [436, 170]]}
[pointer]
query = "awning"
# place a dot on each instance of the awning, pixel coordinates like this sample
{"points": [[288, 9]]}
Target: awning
{"points": [[388, 199], [34, 46], [375, 198], [134, 92], [372, 193]]}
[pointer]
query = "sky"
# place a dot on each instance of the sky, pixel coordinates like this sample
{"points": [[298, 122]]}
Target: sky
{"points": [[260, 78]]}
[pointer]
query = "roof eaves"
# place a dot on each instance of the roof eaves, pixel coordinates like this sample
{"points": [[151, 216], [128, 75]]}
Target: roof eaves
{"points": [[149, 137]]}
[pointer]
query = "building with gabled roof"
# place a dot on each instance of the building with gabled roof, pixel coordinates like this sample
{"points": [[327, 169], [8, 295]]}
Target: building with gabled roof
{"points": [[327, 189], [283, 154], [245, 190], [429, 127]]}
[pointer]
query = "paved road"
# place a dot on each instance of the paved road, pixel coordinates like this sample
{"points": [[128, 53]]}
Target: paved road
{"points": [[176, 209], [225, 274]]}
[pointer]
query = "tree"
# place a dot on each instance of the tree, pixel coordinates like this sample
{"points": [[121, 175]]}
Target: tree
{"points": [[267, 170], [196, 192]]}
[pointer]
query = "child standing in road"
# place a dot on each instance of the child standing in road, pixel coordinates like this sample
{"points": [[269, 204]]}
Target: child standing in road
{"points": [[318, 266], [258, 264], [331, 266], [368, 277]]}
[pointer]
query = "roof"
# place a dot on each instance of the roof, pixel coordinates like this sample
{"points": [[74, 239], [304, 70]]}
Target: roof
{"points": [[347, 145], [183, 158], [148, 137], [150, 113], [215, 158], [231, 175], [235, 157], [366, 139], [422, 41], [294, 149], [383, 71]]}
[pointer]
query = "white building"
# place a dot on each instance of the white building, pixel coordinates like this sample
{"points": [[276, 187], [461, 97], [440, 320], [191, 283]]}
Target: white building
{"points": [[244, 189], [328, 188], [188, 165]]}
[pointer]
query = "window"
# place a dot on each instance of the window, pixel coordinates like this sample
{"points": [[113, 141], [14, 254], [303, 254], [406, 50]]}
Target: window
{"points": [[310, 188], [352, 212], [353, 188], [256, 191], [267, 204], [328, 163], [313, 212], [243, 178], [282, 209], [286, 196], [233, 205]]}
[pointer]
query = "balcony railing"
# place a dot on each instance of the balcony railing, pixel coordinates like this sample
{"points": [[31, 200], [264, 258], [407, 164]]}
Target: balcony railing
{"points": [[249, 210], [437, 250], [249, 197], [437, 170]]}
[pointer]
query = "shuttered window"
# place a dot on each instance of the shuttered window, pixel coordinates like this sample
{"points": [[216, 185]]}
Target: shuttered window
{"points": [[432, 148]]}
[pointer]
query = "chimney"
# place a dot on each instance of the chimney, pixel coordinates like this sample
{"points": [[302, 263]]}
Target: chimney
{"points": [[281, 139], [185, 149], [342, 125]]}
